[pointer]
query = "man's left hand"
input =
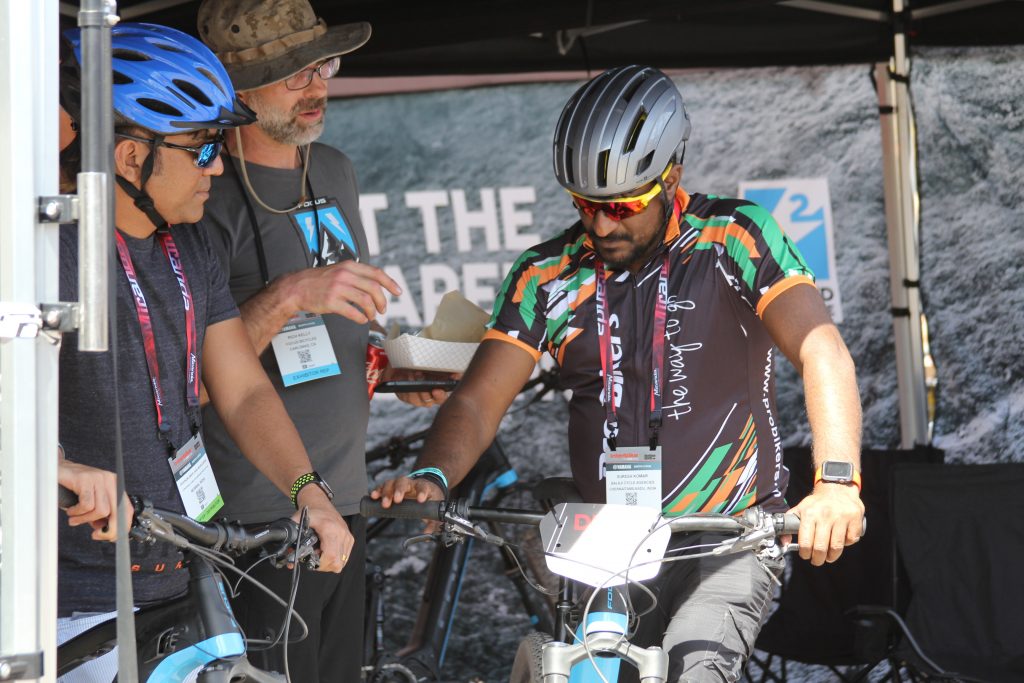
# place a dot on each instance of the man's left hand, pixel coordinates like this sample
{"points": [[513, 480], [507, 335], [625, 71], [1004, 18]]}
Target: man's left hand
{"points": [[831, 518], [336, 540]]}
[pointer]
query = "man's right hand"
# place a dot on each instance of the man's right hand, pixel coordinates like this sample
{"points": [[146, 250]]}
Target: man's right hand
{"points": [[97, 498], [350, 289], [394, 491]]}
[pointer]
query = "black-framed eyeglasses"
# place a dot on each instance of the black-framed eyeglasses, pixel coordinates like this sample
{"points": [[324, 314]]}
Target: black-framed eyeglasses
{"points": [[325, 69], [206, 153]]}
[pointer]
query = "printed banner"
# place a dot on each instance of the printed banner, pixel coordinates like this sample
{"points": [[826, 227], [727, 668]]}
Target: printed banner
{"points": [[803, 208]]}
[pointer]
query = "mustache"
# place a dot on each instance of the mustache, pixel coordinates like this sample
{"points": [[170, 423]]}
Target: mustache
{"points": [[309, 103]]}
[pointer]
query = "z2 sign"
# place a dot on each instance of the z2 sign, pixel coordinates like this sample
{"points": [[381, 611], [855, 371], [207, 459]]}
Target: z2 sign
{"points": [[804, 210]]}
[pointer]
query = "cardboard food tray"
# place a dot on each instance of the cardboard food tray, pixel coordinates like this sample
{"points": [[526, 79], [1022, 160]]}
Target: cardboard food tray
{"points": [[417, 353]]}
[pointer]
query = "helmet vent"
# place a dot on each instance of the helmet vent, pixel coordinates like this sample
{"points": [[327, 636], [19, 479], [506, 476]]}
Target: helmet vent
{"points": [[168, 47], [602, 168], [129, 55], [645, 163], [122, 79], [634, 133], [158, 107], [212, 78], [569, 173], [194, 92], [628, 95]]}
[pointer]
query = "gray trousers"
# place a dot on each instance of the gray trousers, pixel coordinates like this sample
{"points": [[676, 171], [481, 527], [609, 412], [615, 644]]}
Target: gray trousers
{"points": [[709, 613]]}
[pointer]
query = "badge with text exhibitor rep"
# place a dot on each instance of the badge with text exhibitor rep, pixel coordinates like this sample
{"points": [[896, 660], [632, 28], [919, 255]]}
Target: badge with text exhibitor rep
{"points": [[633, 476], [194, 477], [303, 350]]}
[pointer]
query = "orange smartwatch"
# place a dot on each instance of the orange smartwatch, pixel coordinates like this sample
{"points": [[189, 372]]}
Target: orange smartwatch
{"points": [[837, 472]]}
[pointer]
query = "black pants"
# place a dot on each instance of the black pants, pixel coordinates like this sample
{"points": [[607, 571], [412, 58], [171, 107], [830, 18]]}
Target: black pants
{"points": [[331, 605]]}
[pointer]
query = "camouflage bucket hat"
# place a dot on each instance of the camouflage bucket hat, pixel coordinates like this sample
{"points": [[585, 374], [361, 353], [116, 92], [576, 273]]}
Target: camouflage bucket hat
{"points": [[265, 41]]}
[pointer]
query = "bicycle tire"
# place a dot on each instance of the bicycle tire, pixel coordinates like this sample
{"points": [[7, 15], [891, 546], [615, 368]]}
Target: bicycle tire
{"points": [[528, 665]]}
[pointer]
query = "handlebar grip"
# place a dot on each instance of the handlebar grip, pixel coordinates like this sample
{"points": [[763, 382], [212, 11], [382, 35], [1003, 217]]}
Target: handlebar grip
{"points": [[66, 497], [787, 523], [410, 509]]}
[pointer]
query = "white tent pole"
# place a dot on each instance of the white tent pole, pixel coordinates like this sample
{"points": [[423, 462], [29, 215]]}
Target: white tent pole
{"points": [[28, 365], [899, 161]]}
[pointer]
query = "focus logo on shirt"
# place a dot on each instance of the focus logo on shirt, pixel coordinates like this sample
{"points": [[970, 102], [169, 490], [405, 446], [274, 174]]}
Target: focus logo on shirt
{"points": [[803, 209], [325, 230]]}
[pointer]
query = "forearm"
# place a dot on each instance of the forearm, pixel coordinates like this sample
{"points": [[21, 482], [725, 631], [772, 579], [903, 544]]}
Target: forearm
{"points": [[456, 440], [833, 400], [267, 437], [266, 312]]}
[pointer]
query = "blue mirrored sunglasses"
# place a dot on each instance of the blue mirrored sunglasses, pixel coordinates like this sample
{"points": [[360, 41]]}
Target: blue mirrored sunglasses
{"points": [[206, 153]]}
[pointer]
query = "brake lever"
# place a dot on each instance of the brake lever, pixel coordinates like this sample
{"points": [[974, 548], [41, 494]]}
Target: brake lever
{"points": [[421, 538]]}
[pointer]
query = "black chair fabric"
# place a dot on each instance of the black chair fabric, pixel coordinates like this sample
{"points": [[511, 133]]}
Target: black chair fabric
{"points": [[960, 533]]}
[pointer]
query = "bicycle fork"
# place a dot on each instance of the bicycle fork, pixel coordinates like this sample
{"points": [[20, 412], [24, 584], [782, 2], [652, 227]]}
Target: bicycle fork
{"points": [[603, 636]]}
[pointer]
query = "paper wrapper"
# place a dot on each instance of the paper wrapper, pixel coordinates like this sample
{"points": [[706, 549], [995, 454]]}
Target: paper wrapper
{"points": [[447, 344]]}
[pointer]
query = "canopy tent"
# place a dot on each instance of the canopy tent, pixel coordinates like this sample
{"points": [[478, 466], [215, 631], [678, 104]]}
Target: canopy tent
{"points": [[411, 37], [420, 38]]}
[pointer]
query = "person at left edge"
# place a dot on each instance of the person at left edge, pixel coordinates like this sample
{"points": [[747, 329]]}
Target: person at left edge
{"points": [[175, 322]]}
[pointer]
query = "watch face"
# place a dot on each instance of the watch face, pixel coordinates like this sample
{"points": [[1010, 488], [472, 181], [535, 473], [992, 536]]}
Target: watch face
{"points": [[834, 470]]}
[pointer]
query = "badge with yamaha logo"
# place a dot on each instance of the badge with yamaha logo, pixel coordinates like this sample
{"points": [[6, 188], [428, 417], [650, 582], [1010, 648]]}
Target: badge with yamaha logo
{"points": [[328, 236]]}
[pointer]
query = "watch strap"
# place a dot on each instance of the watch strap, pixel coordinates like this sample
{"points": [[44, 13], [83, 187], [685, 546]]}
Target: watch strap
{"points": [[304, 481]]}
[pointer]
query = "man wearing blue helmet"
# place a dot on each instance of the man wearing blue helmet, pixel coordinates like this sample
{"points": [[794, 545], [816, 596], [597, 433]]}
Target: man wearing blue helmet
{"points": [[176, 325], [663, 310]]}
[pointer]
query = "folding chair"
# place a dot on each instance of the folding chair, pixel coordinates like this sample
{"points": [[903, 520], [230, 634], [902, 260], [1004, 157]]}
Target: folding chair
{"points": [[820, 617]]}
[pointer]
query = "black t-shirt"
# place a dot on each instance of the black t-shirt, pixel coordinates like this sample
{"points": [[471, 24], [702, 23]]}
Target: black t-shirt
{"points": [[87, 385]]}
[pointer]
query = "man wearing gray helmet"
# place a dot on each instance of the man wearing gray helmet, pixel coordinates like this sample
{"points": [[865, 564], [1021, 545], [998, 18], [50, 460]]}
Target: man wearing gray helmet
{"points": [[663, 310]]}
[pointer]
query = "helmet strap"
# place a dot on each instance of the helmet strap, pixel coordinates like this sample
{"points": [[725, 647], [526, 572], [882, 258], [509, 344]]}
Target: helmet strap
{"points": [[143, 202]]}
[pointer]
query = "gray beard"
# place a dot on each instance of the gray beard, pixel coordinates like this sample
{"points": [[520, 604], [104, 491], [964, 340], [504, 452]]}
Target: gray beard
{"points": [[291, 133]]}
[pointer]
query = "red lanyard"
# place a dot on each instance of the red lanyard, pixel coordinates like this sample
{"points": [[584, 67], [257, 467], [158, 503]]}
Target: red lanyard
{"points": [[604, 333], [149, 339]]}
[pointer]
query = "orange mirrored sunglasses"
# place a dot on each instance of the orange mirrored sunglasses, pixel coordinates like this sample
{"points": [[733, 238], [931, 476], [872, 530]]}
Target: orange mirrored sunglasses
{"points": [[618, 208]]}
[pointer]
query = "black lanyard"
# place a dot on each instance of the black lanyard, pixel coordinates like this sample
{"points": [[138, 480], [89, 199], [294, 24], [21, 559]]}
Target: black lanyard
{"points": [[608, 388], [170, 250], [261, 254]]}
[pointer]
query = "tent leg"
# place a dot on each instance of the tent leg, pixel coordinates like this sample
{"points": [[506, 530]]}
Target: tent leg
{"points": [[899, 160]]}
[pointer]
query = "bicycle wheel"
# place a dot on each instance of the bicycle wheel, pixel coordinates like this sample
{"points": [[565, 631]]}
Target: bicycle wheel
{"points": [[528, 666]]}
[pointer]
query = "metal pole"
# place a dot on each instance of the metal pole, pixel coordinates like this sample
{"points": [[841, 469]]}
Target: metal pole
{"points": [[28, 366], [96, 194], [899, 151]]}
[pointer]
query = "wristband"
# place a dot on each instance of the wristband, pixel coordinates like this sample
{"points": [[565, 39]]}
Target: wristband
{"points": [[433, 474]]}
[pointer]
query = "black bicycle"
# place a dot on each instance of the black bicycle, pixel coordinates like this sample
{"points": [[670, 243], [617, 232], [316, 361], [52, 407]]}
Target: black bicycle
{"points": [[196, 637], [493, 481]]}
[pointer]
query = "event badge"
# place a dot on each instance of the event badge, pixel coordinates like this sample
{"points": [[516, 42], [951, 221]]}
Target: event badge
{"points": [[194, 477], [303, 350], [633, 476]]}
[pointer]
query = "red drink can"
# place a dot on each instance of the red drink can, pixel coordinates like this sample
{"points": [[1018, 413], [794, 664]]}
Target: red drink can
{"points": [[376, 360]]}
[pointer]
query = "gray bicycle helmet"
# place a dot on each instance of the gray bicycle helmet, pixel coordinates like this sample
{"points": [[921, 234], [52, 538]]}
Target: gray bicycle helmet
{"points": [[619, 131]]}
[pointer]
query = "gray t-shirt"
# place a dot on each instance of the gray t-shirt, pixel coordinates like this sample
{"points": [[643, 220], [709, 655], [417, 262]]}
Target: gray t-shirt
{"points": [[87, 384], [330, 413]]}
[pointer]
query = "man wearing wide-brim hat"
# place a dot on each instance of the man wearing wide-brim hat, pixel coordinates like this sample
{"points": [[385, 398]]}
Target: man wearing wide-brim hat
{"points": [[284, 218]]}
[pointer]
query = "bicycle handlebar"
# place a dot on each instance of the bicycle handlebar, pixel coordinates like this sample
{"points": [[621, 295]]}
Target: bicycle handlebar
{"points": [[435, 510], [151, 523], [783, 523]]}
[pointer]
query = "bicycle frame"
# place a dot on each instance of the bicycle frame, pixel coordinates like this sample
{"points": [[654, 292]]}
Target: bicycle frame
{"points": [[425, 650], [175, 638]]}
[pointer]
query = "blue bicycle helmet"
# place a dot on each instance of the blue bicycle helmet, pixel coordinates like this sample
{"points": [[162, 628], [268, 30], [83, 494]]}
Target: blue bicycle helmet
{"points": [[165, 81]]}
